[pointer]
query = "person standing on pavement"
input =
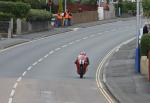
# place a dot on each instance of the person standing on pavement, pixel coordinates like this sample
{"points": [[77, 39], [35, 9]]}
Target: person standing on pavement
{"points": [[59, 19], [69, 18], [66, 17], [145, 29]]}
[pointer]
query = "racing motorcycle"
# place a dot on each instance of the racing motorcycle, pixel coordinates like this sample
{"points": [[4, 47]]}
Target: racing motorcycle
{"points": [[81, 67]]}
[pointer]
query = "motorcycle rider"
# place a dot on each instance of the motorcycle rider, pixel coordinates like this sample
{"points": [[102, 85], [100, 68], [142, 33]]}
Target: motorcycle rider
{"points": [[82, 60]]}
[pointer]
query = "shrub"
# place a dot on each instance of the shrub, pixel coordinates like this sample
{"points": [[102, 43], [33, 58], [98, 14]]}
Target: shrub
{"points": [[18, 9], [146, 7], [5, 16], [38, 15], [36, 4], [145, 44], [126, 6]]}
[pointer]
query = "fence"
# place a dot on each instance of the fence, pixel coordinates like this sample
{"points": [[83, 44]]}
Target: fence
{"points": [[6, 28]]}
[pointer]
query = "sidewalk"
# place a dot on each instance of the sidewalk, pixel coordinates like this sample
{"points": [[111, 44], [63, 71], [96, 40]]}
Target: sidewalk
{"points": [[122, 80]]}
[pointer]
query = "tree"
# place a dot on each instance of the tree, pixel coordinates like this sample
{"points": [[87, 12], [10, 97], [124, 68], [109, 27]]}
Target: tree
{"points": [[60, 8], [146, 7]]}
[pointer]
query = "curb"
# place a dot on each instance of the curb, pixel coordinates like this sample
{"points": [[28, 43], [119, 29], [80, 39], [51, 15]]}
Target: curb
{"points": [[103, 87]]}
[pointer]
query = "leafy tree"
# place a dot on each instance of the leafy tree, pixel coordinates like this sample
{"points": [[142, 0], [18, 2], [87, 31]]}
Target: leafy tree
{"points": [[146, 7], [60, 9]]}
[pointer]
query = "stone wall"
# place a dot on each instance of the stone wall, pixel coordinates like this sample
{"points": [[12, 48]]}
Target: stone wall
{"points": [[83, 17], [28, 27]]}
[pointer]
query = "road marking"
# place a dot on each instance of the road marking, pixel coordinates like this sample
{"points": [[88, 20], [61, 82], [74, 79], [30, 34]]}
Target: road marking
{"points": [[46, 56], [51, 52], [34, 63], [12, 93], [78, 40], [40, 59], [24, 73], [64, 46], [10, 100], [29, 68], [75, 29], [19, 79], [84, 38], [57, 49], [71, 43], [99, 33], [100, 70], [15, 85]]}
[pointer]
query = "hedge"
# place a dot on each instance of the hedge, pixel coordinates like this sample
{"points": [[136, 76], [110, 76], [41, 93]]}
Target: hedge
{"points": [[18, 9], [5, 16], [126, 6], [146, 7], [145, 44], [38, 15]]}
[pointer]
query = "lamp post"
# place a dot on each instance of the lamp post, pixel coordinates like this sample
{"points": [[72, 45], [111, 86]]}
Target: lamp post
{"points": [[137, 65], [65, 5]]}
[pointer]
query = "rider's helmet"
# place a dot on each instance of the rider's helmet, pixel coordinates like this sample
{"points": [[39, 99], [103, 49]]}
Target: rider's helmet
{"points": [[83, 53]]}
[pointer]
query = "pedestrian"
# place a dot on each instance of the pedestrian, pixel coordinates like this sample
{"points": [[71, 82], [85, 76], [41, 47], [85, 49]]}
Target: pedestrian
{"points": [[59, 19], [66, 17], [70, 19], [145, 29]]}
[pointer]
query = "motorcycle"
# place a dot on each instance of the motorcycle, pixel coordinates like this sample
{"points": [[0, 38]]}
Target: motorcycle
{"points": [[81, 67]]}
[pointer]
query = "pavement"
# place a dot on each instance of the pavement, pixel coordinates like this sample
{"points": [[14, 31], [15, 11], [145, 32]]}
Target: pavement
{"points": [[123, 82]]}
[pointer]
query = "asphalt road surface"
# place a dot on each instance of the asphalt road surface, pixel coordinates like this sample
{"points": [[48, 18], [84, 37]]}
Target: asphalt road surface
{"points": [[43, 71]]}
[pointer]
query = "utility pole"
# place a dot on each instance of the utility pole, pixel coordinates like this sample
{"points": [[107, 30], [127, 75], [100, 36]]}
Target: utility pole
{"points": [[65, 5], [137, 58]]}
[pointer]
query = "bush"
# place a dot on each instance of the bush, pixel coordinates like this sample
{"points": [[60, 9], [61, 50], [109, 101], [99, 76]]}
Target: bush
{"points": [[146, 7], [145, 44], [36, 4], [38, 15], [126, 6], [19, 10], [5, 16]]}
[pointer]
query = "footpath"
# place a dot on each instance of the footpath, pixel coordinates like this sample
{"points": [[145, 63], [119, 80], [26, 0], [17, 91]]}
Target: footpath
{"points": [[120, 77], [123, 82]]}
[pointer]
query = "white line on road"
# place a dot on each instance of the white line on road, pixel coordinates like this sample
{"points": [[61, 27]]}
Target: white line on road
{"points": [[71, 43], [12, 93], [51, 52], [57, 49], [10, 100], [34, 63], [78, 40], [29, 68], [64, 46], [24, 73], [15, 85], [19, 79], [46, 55], [40, 59]]}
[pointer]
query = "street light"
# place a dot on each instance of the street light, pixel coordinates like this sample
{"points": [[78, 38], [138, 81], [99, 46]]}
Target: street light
{"points": [[137, 65], [65, 5]]}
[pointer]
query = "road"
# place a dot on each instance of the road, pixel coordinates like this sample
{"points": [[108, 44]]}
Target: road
{"points": [[43, 71]]}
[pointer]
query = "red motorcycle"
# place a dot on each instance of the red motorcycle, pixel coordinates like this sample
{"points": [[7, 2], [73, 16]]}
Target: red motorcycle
{"points": [[81, 66]]}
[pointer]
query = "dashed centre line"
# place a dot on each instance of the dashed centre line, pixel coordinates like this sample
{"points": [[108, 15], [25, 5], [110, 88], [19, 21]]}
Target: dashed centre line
{"points": [[12, 93], [15, 85], [57, 49], [35, 63]]}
